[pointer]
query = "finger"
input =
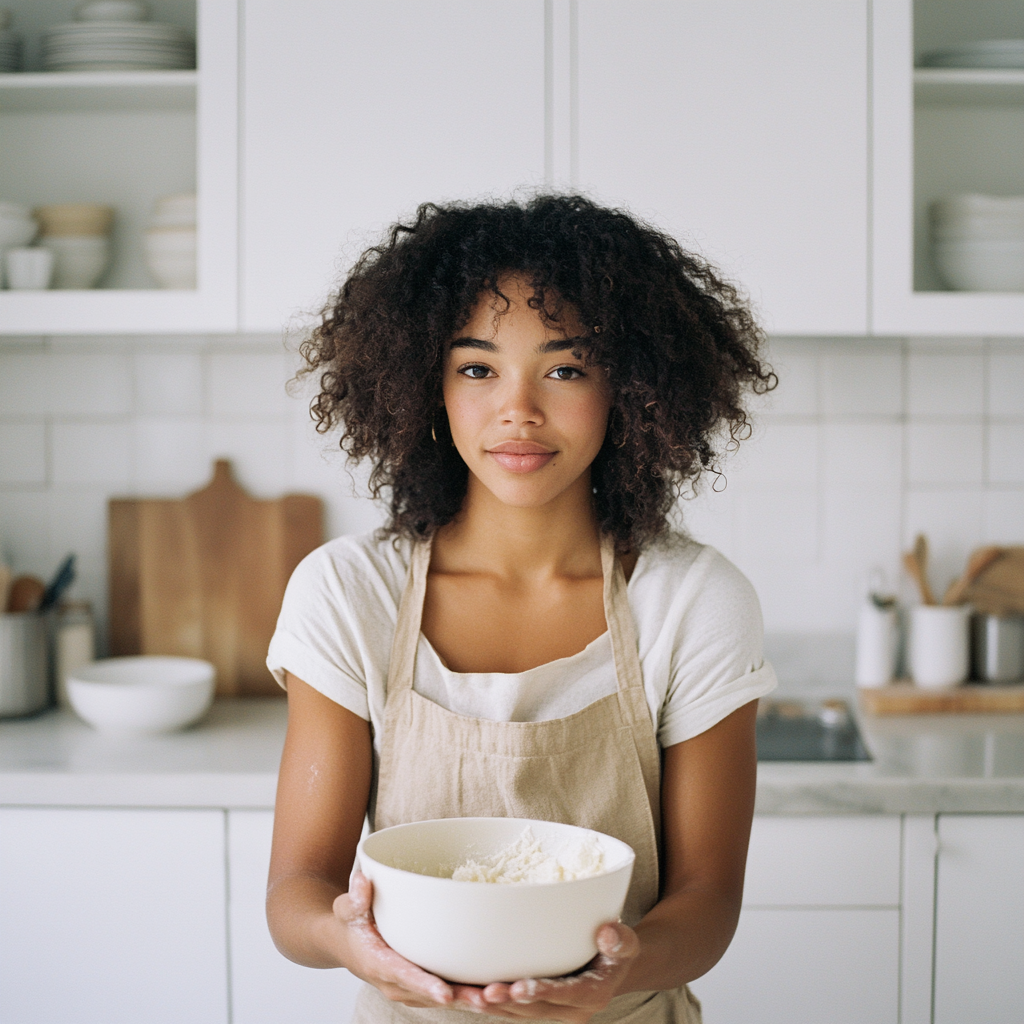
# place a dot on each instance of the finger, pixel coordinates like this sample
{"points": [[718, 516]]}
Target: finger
{"points": [[617, 943], [360, 891]]}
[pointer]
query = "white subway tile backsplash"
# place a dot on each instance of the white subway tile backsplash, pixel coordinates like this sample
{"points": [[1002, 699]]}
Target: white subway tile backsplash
{"points": [[1006, 383], [862, 380], [796, 365], [92, 453], [949, 384], [1006, 453], [779, 455], [22, 453], [170, 455], [65, 382], [1004, 517], [862, 453], [168, 383], [945, 453], [25, 531], [260, 453], [248, 384]]}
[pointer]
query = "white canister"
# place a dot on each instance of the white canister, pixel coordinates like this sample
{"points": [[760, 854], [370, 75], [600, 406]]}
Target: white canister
{"points": [[939, 644], [28, 269], [877, 643]]}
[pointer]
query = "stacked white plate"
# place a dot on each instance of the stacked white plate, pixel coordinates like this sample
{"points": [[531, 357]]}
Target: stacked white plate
{"points": [[10, 45], [95, 43], [170, 242], [986, 53], [978, 242]]}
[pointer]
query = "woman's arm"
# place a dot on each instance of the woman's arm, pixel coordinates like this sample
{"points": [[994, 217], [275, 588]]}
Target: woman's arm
{"points": [[322, 794], [707, 798], [707, 793]]}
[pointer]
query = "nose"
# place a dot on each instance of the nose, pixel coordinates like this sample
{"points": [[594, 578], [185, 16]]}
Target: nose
{"points": [[520, 404]]}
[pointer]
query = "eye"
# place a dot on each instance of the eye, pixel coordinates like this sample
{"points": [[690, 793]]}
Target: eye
{"points": [[474, 371], [567, 373]]}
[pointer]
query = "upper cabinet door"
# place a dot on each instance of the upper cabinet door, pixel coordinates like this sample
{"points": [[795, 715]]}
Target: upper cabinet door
{"points": [[742, 129], [355, 113]]}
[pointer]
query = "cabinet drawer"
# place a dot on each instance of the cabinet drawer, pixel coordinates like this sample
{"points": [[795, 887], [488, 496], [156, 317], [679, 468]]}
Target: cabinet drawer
{"points": [[824, 861], [807, 967]]}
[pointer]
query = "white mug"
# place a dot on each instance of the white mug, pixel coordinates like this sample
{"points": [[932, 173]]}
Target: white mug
{"points": [[28, 269], [939, 648]]}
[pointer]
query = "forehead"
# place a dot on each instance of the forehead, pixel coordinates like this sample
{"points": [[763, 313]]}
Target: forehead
{"points": [[511, 310]]}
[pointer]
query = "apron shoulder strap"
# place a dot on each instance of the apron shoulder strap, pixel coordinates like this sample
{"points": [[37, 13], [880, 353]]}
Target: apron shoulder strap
{"points": [[402, 663]]}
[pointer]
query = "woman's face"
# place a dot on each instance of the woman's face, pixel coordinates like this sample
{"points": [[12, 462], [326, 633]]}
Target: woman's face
{"points": [[525, 414]]}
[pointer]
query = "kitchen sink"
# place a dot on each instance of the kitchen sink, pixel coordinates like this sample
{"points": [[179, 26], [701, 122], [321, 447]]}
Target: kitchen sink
{"points": [[794, 730]]}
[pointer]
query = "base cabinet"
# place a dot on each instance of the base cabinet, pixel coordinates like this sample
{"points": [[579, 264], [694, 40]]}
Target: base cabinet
{"points": [[265, 987], [979, 919], [819, 935], [112, 916]]}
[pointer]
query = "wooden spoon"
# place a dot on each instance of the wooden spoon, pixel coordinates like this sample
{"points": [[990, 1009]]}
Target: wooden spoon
{"points": [[979, 561], [25, 594], [916, 564]]}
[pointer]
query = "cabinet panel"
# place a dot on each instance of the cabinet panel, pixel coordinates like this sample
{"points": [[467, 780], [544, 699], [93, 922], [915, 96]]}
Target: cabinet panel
{"points": [[824, 861], [265, 987], [805, 967], [356, 113], [742, 129], [112, 916], [979, 919]]}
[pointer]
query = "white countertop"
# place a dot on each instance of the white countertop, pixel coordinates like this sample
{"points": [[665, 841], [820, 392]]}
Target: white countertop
{"points": [[923, 764]]}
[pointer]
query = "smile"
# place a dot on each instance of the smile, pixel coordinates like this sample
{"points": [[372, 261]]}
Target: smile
{"points": [[521, 456]]}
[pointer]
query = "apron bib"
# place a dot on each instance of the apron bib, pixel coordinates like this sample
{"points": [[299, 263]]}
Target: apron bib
{"points": [[599, 768]]}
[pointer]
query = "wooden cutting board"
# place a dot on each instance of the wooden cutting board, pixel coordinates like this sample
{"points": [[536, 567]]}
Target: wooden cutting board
{"points": [[203, 576], [904, 698], [999, 590]]}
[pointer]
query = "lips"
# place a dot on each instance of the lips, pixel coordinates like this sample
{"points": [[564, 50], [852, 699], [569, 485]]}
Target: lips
{"points": [[521, 456]]}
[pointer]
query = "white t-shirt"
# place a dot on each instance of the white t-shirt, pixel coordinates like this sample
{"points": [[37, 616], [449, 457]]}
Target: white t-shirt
{"points": [[698, 625]]}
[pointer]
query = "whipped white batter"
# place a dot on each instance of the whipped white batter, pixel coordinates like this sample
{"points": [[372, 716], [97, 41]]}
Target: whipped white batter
{"points": [[525, 861]]}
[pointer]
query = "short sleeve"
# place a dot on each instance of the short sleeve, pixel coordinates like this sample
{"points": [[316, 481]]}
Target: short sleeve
{"points": [[717, 660], [336, 617]]}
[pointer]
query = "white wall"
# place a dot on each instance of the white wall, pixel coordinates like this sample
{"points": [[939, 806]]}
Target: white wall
{"points": [[864, 444]]}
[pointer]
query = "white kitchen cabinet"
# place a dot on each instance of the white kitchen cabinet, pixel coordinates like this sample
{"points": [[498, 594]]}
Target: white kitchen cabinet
{"points": [[355, 113], [112, 916], [124, 139], [819, 935], [939, 132], [265, 987], [979, 919], [742, 129]]}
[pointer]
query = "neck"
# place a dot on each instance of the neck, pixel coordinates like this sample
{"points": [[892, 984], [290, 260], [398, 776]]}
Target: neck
{"points": [[560, 538]]}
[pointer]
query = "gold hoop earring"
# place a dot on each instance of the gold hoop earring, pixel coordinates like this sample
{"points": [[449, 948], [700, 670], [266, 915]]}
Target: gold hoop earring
{"points": [[433, 433]]}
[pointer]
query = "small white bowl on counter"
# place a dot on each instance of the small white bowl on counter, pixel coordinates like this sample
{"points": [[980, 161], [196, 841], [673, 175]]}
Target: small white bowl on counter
{"points": [[142, 695], [481, 932]]}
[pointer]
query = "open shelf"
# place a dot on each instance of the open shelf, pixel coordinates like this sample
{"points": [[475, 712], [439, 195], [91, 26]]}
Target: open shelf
{"points": [[969, 87], [33, 91]]}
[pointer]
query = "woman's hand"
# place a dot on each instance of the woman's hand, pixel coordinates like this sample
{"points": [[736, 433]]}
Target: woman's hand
{"points": [[574, 998], [373, 960]]}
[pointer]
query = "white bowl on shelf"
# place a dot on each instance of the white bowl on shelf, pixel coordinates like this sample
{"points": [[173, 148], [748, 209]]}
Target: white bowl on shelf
{"points": [[142, 695], [177, 211], [78, 261], [171, 256], [480, 932], [980, 265]]}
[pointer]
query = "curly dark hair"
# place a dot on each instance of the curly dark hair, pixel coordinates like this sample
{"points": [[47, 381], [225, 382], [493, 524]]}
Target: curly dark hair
{"points": [[679, 344]]}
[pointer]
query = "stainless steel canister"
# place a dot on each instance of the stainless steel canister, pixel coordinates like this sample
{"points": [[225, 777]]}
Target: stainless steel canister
{"points": [[997, 647], [24, 685]]}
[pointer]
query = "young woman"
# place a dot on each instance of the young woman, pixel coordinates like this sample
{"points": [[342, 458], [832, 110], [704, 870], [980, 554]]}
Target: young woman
{"points": [[532, 385]]}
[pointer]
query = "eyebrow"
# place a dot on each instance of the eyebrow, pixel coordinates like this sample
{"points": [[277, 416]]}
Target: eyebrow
{"points": [[554, 345]]}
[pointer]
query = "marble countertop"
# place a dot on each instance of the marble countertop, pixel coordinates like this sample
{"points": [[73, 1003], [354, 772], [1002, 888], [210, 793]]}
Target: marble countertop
{"points": [[922, 764]]}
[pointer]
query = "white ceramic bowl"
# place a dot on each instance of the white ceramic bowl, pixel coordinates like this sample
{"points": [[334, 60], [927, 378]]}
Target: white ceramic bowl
{"points": [[480, 932], [78, 262], [172, 271], [979, 265], [142, 695]]}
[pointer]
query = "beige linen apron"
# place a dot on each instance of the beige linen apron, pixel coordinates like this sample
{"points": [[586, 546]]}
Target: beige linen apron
{"points": [[599, 768]]}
